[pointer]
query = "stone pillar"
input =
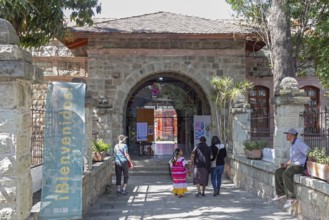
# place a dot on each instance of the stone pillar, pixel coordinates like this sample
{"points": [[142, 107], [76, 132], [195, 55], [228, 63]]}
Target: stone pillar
{"points": [[16, 73], [90, 103], [103, 114], [288, 106], [88, 140], [240, 124]]}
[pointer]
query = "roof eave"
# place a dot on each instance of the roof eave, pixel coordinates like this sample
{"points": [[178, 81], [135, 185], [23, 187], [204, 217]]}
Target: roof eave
{"points": [[81, 38], [163, 35]]}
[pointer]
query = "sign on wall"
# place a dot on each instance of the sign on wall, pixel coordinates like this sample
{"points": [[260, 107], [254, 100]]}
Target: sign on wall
{"points": [[63, 151], [145, 117], [202, 127], [141, 131]]}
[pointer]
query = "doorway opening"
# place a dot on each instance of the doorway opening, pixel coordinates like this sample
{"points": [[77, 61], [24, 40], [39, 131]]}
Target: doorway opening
{"points": [[175, 100]]}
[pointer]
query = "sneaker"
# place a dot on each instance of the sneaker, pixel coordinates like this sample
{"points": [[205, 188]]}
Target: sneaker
{"points": [[198, 194], [124, 192], [278, 197], [289, 203], [203, 194]]}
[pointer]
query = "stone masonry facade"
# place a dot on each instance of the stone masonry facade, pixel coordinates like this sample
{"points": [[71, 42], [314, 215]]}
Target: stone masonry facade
{"points": [[116, 66], [114, 73], [16, 74]]}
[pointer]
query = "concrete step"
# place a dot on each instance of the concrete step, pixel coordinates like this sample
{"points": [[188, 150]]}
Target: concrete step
{"points": [[150, 169], [153, 169], [148, 173], [150, 162], [150, 165], [138, 164]]}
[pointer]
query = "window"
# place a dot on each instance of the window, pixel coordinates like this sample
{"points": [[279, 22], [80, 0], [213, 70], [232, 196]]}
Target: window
{"points": [[259, 103], [311, 112]]}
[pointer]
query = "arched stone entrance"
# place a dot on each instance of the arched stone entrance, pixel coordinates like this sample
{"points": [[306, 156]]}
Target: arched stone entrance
{"points": [[185, 73], [177, 100]]}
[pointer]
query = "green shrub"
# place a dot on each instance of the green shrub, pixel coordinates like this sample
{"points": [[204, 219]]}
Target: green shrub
{"points": [[254, 144], [99, 146], [319, 155]]}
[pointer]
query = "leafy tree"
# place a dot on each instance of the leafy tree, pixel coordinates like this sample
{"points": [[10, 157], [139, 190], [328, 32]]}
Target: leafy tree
{"points": [[311, 24], [309, 27], [272, 19], [38, 21]]}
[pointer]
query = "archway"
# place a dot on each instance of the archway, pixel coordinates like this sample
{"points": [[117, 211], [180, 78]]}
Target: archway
{"points": [[175, 99]]}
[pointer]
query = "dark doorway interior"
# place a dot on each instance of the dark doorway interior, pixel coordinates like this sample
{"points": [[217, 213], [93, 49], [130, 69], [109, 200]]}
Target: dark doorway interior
{"points": [[174, 101]]}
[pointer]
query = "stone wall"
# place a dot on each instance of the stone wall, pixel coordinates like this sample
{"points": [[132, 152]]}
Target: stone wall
{"points": [[95, 183], [57, 49], [149, 41], [258, 64], [115, 66], [115, 72], [257, 177], [56, 59], [313, 195]]}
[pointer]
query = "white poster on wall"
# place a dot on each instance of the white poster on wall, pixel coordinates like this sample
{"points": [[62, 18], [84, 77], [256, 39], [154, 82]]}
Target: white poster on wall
{"points": [[202, 127]]}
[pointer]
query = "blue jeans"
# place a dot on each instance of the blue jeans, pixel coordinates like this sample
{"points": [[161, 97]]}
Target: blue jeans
{"points": [[216, 176]]}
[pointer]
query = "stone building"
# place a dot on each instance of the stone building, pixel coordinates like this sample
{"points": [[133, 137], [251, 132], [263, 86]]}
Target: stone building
{"points": [[124, 62], [120, 58]]}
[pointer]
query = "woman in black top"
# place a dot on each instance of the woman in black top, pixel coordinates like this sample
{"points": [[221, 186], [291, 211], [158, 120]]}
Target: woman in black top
{"points": [[201, 161], [218, 153]]}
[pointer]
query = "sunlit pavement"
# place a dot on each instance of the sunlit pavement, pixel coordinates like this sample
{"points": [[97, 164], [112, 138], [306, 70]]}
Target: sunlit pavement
{"points": [[150, 197]]}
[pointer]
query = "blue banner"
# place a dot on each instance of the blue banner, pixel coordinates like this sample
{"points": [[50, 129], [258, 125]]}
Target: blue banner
{"points": [[62, 170]]}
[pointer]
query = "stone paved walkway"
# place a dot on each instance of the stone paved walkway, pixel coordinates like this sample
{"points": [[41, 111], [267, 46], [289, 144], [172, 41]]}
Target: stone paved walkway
{"points": [[150, 197]]}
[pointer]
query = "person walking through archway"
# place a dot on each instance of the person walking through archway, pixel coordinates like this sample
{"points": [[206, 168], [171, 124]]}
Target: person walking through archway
{"points": [[200, 158], [179, 167], [218, 154], [122, 163]]}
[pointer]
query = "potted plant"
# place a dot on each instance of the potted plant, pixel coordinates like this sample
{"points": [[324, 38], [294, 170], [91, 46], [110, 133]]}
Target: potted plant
{"points": [[318, 163], [253, 148], [99, 149]]}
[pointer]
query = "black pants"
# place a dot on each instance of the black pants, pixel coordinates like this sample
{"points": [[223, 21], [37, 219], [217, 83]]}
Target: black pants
{"points": [[119, 169]]}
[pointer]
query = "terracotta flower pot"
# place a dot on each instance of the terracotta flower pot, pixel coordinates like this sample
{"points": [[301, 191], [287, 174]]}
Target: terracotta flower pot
{"points": [[98, 156], [320, 171], [253, 154]]}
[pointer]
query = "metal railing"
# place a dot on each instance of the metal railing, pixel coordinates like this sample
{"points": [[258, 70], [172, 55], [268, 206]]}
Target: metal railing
{"points": [[38, 115], [262, 128], [316, 133], [316, 129]]}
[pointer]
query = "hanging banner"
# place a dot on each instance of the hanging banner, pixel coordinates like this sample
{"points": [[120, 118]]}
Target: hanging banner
{"points": [[202, 126], [63, 151]]}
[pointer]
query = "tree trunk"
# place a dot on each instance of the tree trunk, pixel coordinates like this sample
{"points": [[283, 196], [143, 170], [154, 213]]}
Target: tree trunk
{"points": [[281, 43]]}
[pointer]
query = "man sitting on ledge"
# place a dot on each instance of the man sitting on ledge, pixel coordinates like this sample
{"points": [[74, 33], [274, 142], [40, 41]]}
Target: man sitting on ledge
{"points": [[284, 176]]}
